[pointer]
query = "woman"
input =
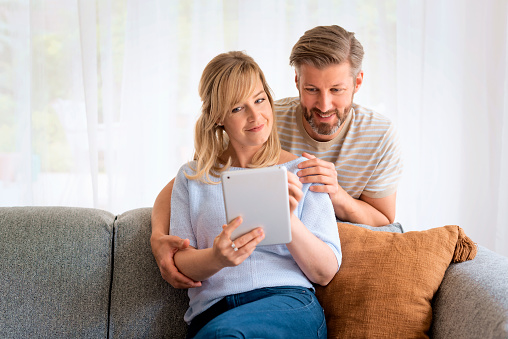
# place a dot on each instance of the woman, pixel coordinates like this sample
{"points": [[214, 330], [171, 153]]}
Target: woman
{"points": [[248, 291]]}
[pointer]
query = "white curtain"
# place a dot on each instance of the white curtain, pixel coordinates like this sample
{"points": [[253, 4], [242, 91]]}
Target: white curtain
{"points": [[98, 98]]}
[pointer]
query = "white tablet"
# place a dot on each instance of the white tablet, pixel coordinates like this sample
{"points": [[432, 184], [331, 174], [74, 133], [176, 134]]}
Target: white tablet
{"points": [[260, 196]]}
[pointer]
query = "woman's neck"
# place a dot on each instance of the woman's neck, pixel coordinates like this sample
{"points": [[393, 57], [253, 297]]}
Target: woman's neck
{"points": [[240, 158]]}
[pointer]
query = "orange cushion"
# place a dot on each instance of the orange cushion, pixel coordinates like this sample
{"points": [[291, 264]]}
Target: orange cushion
{"points": [[386, 281]]}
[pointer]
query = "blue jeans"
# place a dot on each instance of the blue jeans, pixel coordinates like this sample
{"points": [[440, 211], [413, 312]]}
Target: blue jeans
{"points": [[272, 312]]}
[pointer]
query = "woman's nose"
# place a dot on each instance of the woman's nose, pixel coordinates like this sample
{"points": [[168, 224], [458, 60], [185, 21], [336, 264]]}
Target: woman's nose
{"points": [[254, 113]]}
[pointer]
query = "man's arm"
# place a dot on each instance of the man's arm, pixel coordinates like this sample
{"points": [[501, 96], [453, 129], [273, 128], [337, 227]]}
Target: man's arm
{"points": [[164, 245], [365, 210], [368, 211]]}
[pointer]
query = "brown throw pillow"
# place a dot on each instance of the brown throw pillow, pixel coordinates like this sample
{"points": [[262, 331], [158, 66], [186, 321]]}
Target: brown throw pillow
{"points": [[386, 281]]}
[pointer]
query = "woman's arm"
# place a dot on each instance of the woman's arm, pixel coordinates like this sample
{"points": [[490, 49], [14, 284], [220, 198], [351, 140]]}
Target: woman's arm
{"points": [[164, 245], [315, 258], [200, 264]]}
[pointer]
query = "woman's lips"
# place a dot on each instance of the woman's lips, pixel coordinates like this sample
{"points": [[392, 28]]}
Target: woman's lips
{"points": [[257, 128]]}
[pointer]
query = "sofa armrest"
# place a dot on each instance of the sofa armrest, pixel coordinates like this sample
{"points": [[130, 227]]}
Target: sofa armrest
{"points": [[472, 301]]}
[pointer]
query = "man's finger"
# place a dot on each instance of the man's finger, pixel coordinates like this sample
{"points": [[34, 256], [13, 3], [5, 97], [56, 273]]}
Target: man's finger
{"points": [[181, 281], [319, 189], [318, 179], [308, 155], [171, 274], [178, 243], [187, 283], [313, 162]]}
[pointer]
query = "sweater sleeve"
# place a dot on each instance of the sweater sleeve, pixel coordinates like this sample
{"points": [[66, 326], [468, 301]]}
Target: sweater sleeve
{"points": [[181, 224], [315, 210], [317, 214]]}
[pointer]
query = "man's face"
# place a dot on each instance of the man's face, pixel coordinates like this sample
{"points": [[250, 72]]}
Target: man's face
{"points": [[326, 97]]}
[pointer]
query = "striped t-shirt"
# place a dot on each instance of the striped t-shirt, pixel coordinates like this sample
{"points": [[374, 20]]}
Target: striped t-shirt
{"points": [[366, 152]]}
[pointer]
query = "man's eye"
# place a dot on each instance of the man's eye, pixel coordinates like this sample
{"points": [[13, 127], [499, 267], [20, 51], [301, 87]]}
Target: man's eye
{"points": [[311, 90], [337, 90]]}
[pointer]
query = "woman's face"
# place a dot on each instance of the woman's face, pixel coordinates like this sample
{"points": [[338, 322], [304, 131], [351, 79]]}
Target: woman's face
{"points": [[249, 123]]}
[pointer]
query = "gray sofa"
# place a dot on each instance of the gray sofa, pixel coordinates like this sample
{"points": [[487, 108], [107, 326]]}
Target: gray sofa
{"points": [[86, 273]]}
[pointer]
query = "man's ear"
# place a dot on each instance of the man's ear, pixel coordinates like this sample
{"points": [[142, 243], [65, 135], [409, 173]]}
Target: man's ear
{"points": [[358, 81], [296, 80]]}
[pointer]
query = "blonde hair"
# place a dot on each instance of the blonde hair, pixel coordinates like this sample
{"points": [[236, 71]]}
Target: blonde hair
{"points": [[228, 78], [326, 45]]}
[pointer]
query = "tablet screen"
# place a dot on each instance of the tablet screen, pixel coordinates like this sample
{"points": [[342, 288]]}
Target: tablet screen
{"points": [[261, 197]]}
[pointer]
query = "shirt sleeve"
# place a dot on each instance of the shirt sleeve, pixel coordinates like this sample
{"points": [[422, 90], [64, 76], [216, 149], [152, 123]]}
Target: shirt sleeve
{"points": [[385, 179]]}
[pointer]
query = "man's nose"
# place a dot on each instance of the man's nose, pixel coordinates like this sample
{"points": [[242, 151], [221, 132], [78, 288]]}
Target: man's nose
{"points": [[324, 103]]}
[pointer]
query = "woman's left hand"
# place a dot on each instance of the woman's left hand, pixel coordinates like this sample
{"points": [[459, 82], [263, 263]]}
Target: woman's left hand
{"points": [[232, 253], [295, 191]]}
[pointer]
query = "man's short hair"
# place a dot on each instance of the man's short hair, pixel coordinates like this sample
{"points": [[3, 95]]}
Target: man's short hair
{"points": [[326, 45]]}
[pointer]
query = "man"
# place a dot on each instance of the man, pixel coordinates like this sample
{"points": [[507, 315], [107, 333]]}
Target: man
{"points": [[353, 152]]}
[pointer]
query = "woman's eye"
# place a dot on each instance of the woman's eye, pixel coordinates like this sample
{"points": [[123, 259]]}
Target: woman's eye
{"points": [[236, 109], [260, 100]]}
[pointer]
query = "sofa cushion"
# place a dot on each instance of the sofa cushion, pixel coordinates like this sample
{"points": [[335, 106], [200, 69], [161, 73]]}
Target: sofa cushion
{"points": [[395, 227], [55, 272], [143, 305], [386, 281]]}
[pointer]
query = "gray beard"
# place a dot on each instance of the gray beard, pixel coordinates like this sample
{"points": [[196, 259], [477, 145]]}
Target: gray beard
{"points": [[324, 128]]}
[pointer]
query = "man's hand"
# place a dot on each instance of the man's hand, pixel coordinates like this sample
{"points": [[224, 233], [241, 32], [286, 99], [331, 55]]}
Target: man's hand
{"points": [[369, 211], [163, 249], [319, 171]]}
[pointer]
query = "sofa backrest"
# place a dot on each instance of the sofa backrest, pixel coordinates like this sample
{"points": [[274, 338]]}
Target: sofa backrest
{"points": [[70, 272], [55, 272], [143, 305]]}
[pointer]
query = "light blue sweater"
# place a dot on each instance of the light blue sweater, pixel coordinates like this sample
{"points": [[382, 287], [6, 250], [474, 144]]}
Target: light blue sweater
{"points": [[197, 213]]}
